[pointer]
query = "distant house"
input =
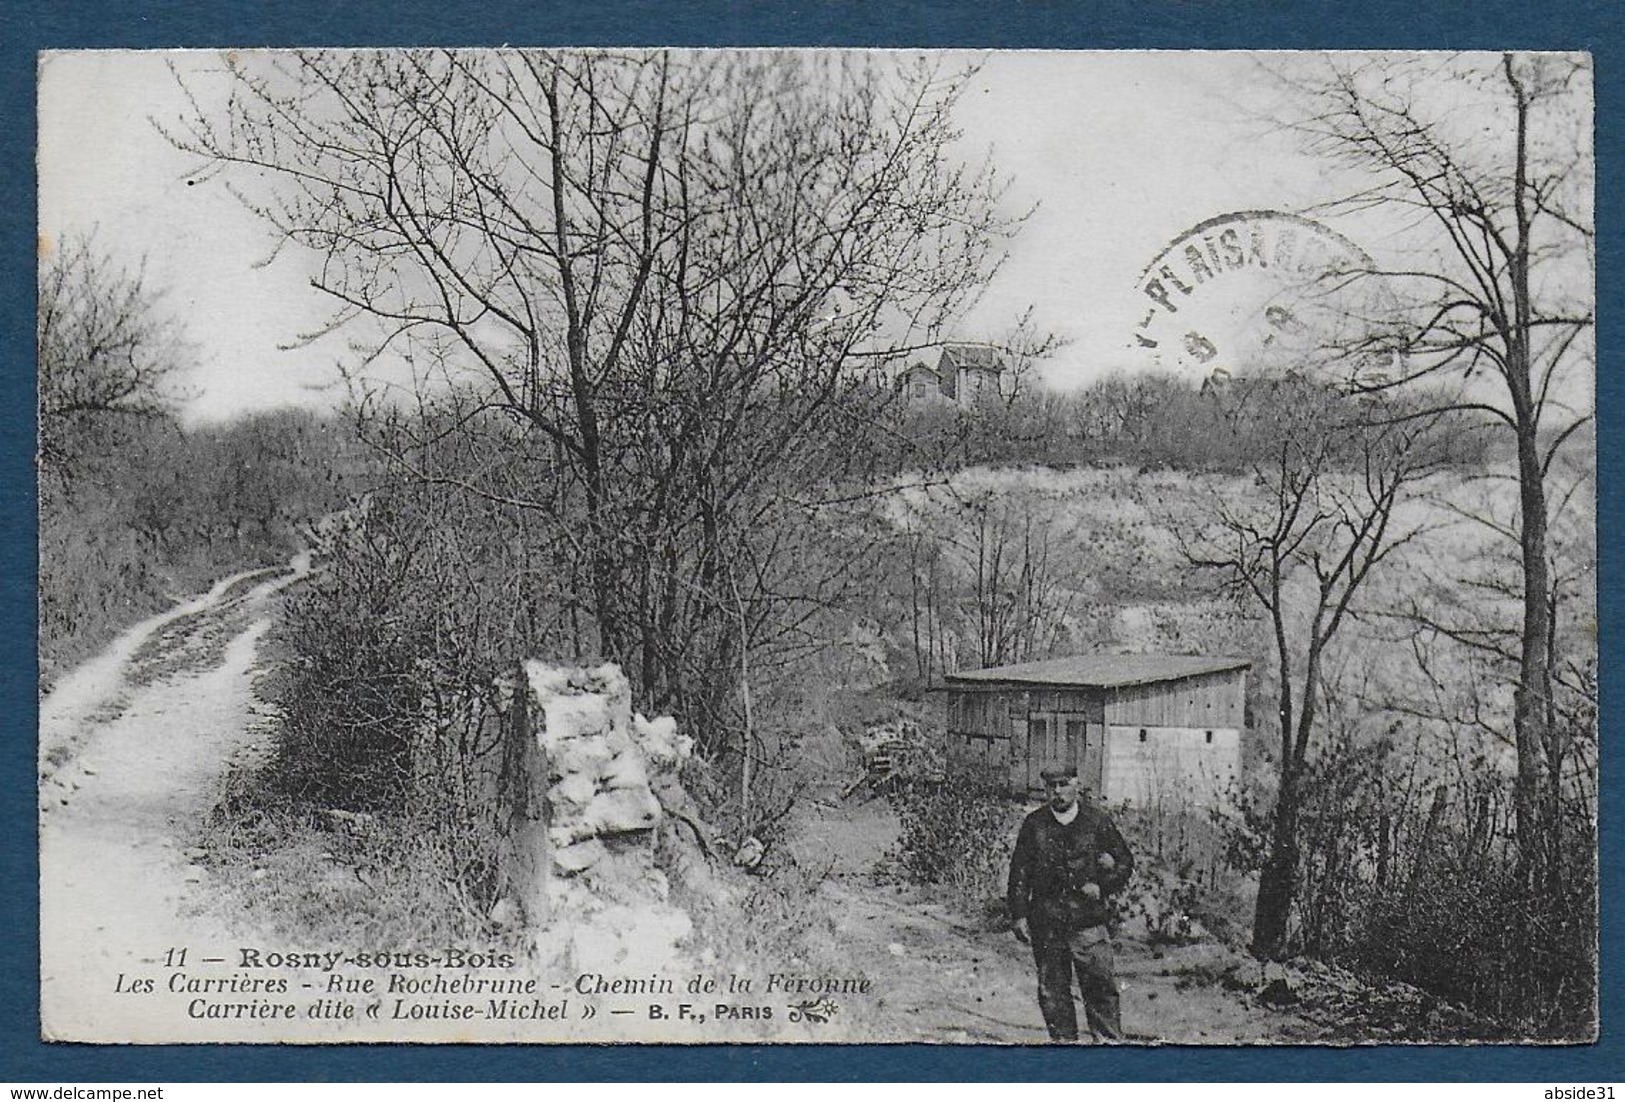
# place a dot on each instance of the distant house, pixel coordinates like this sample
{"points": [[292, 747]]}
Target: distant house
{"points": [[1139, 727], [965, 373], [970, 373], [919, 382]]}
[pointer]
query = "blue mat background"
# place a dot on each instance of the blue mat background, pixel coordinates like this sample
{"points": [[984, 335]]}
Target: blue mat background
{"points": [[38, 24]]}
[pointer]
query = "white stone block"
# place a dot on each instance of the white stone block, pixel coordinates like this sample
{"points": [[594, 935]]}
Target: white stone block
{"points": [[578, 856]]}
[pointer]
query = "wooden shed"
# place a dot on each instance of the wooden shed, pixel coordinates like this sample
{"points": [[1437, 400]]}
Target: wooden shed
{"points": [[1140, 728]]}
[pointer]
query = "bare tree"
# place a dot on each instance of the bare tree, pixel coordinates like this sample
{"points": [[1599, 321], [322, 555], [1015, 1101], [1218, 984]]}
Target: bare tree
{"points": [[106, 350], [925, 586], [1487, 162], [1325, 514], [1019, 601], [676, 272], [1021, 348]]}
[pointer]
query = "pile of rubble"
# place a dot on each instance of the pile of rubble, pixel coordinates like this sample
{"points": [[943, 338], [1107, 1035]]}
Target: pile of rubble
{"points": [[894, 752], [612, 781]]}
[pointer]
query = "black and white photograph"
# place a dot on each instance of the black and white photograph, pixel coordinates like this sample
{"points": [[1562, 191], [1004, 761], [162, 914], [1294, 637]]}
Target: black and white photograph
{"points": [[797, 546]]}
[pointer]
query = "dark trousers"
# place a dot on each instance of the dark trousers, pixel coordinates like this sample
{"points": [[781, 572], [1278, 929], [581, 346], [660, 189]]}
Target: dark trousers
{"points": [[1060, 953]]}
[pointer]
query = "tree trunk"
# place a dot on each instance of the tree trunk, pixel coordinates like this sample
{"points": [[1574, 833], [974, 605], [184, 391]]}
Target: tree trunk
{"points": [[1536, 822], [1278, 880], [922, 657], [1535, 826], [1422, 857], [1385, 845], [521, 790]]}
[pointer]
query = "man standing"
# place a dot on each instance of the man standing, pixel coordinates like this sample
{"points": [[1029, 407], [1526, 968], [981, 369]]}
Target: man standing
{"points": [[1068, 859]]}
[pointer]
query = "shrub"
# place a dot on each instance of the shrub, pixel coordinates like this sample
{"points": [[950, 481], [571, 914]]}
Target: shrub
{"points": [[1419, 882], [956, 835], [1168, 905], [398, 877], [1471, 933], [351, 698]]}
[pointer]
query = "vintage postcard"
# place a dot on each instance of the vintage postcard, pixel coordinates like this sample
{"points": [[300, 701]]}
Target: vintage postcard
{"points": [[797, 546]]}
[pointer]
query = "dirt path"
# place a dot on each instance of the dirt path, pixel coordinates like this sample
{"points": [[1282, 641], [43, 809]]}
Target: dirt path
{"points": [[948, 978], [132, 747]]}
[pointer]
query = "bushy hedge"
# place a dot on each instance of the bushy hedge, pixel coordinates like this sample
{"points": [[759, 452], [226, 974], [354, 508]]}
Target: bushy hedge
{"points": [[394, 651], [352, 696], [387, 690]]}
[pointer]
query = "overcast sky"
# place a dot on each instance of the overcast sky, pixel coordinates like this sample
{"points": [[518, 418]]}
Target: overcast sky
{"points": [[1121, 152]]}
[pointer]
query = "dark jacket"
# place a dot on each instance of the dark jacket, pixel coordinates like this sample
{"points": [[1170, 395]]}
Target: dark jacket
{"points": [[1053, 862]]}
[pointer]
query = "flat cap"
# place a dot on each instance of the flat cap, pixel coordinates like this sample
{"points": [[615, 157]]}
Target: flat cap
{"points": [[1058, 770]]}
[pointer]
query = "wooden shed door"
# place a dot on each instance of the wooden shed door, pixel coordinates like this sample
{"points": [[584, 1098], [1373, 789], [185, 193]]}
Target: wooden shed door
{"points": [[1083, 744], [1059, 736], [1072, 742], [1040, 742], [1092, 765]]}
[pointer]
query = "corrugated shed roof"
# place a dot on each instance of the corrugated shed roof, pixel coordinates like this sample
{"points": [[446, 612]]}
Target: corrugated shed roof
{"points": [[1101, 671]]}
